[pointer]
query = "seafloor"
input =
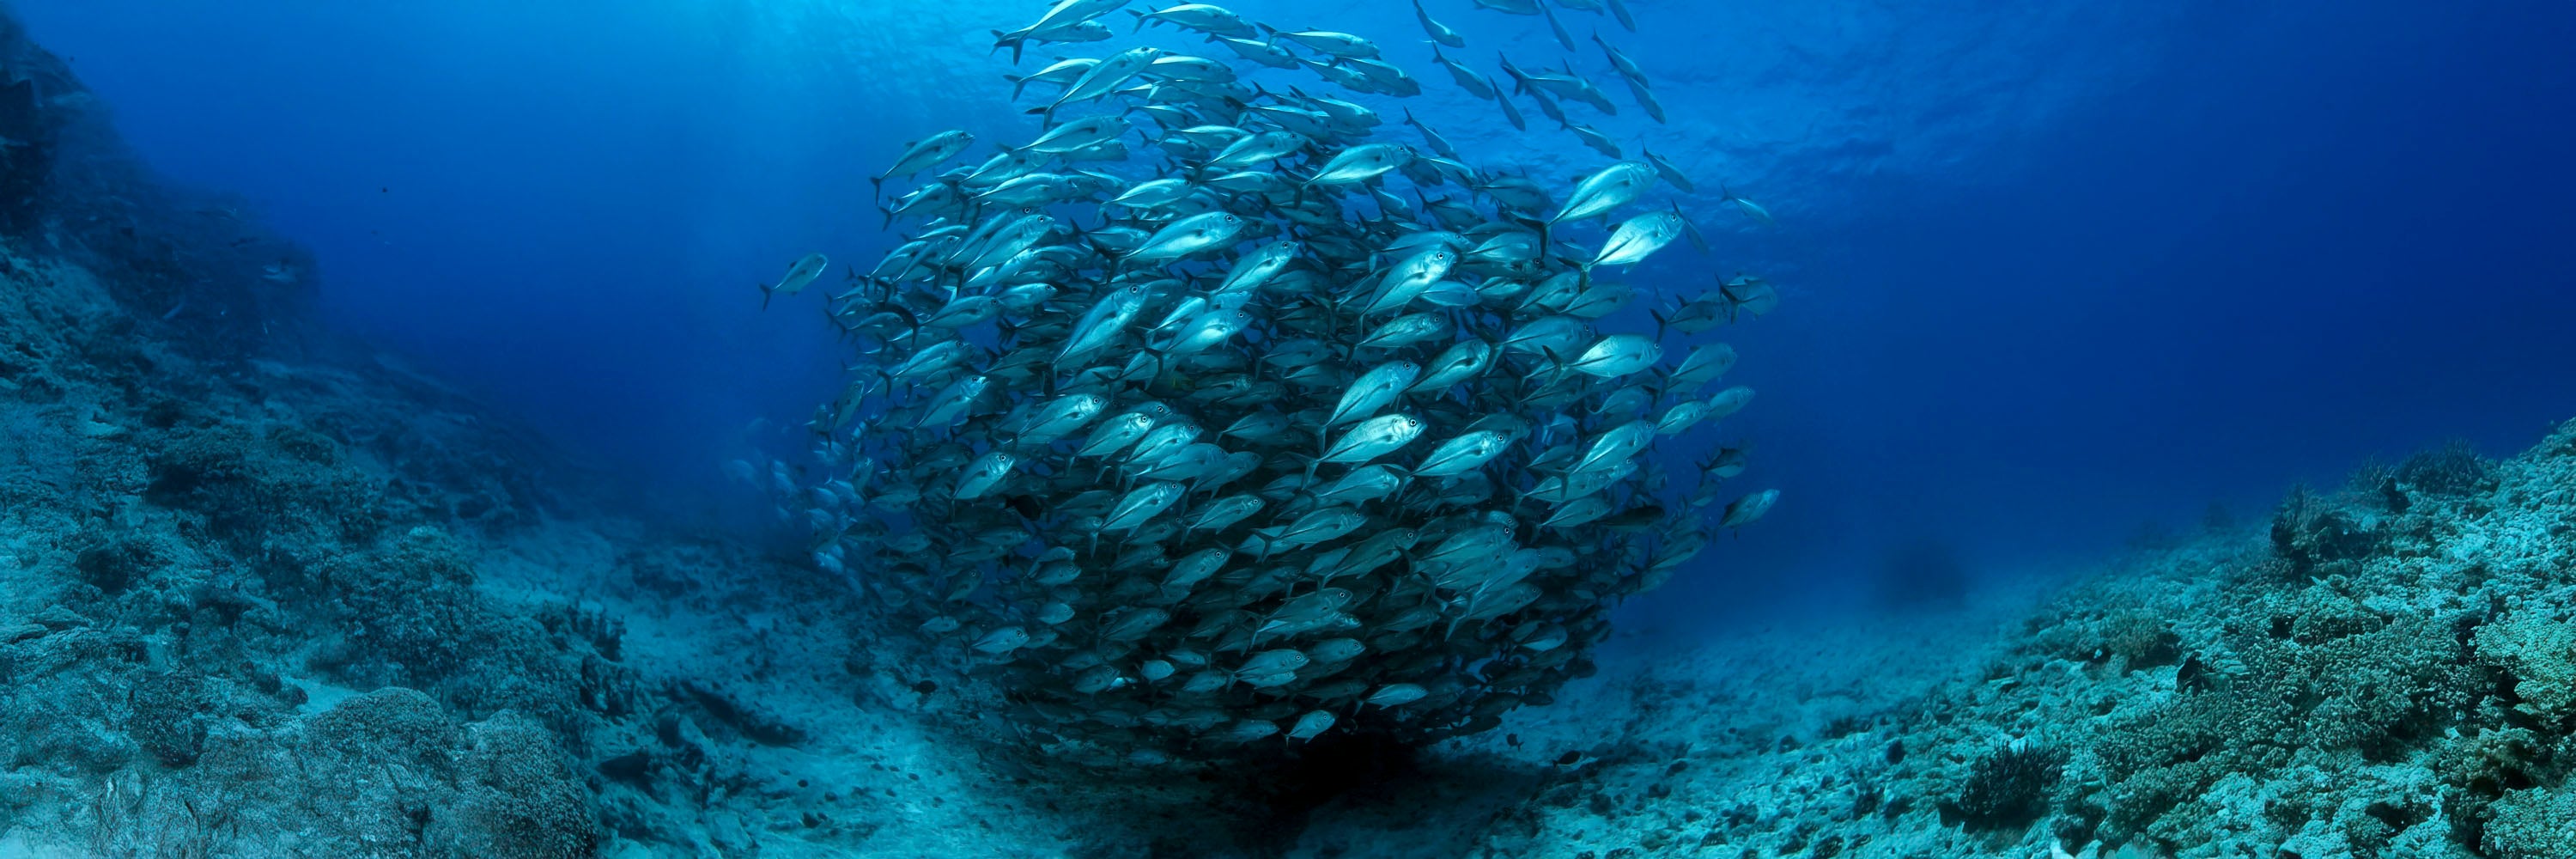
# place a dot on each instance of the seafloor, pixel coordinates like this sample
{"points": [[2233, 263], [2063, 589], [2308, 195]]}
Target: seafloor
{"points": [[265, 593]]}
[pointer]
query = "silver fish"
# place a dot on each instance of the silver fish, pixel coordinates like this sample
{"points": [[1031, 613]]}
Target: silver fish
{"points": [[1637, 237], [1462, 454], [1362, 163], [799, 275], [1142, 504], [1372, 391], [924, 154], [983, 474], [1612, 187], [1188, 236], [1373, 438]]}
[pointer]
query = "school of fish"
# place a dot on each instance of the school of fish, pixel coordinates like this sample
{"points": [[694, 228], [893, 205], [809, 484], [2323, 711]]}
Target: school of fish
{"points": [[1208, 420]]}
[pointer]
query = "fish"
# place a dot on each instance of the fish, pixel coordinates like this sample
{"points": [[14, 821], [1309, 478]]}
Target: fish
{"points": [[1440, 33], [1076, 135], [1646, 101], [1115, 435], [1262, 52], [1224, 513], [924, 154], [1729, 401], [1362, 163], [1511, 113], [1103, 77], [1065, 15], [1309, 725], [1409, 279], [1617, 355], [1257, 267], [1638, 237], [1620, 62], [1614, 186], [1743, 511], [1097, 327], [1258, 148], [1556, 27], [1463, 360], [1749, 208], [1395, 695], [1003, 640], [1403, 330], [1153, 194], [1202, 17], [1373, 438], [982, 476], [1665, 170], [1332, 43], [1182, 68], [1218, 401], [799, 275], [1061, 73], [1593, 137], [1748, 295], [1372, 390], [1439, 145], [1462, 454], [1383, 77], [1469, 79], [1142, 504], [1704, 364], [1195, 234], [1132, 624]]}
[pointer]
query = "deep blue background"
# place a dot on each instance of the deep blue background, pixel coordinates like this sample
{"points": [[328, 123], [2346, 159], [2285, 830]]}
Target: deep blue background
{"points": [[2052, 272]]}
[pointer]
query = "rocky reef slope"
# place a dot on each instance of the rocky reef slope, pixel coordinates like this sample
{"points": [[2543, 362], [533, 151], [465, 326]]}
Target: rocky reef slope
{"points": [[2388, 670]]}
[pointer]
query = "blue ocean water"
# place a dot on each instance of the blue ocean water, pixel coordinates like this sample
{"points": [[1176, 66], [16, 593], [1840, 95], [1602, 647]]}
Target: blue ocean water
{"points": [[2051, 271]]}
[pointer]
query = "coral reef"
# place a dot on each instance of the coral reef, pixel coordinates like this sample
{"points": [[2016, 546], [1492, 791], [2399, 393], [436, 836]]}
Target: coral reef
{"points": [[2386, 673]]}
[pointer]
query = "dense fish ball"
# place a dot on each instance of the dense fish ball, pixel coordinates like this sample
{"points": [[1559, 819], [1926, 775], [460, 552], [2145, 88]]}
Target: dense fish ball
{"points": [[1208, 421]]}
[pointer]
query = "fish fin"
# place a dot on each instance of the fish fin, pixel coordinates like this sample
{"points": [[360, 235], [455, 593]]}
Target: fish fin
{"points": [[1140, 22]]}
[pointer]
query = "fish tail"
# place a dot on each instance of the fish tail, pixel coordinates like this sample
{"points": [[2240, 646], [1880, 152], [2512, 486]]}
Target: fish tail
{"points": [[766, 291], [1006, 40]]}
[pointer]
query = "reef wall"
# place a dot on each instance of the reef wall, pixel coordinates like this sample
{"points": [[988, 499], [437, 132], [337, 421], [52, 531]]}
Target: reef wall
{"points": [[264, 592]]}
